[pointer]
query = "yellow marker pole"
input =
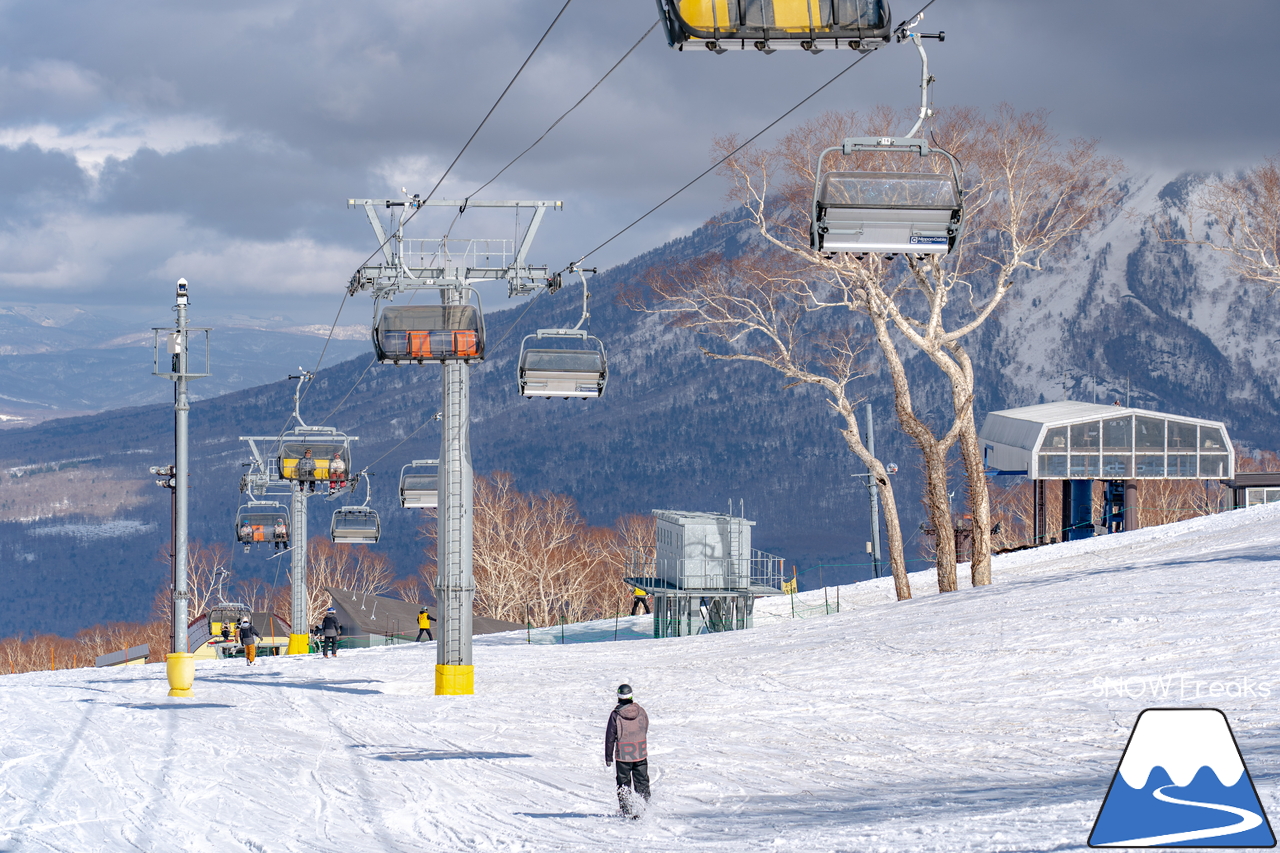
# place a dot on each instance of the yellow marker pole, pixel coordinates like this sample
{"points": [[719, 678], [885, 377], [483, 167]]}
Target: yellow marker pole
{"points": [[299, 644], [181, 669]]}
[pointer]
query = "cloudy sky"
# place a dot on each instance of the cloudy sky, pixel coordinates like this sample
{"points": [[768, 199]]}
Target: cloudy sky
{"points": [[143, 141]]}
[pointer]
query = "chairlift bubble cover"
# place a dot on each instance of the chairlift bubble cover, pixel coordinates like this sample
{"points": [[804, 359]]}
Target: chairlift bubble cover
{"points": [[261, 521], [355, 525], [419, 490], [893, 212], [293, 453], [419, 333], [779, 22], [562, 373]]}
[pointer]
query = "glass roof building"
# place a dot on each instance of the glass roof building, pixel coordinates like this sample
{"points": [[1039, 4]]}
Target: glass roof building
{"points": [[1087, 441]]}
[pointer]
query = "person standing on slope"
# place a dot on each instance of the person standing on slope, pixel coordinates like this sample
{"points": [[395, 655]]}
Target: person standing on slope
{"points": [[330, 630], [424, 625], [249, 637], [626, 742]]}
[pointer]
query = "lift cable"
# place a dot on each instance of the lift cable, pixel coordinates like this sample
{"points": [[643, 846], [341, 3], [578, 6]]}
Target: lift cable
{"points": [[416, 430], [719, 162], [565, 114], [467, 144]]}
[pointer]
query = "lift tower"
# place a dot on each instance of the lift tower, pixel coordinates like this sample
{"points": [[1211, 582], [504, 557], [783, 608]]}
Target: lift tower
{"points": [[452, 267]]}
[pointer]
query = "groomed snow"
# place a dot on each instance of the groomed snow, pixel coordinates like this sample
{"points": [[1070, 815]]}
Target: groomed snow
{"points": [[984, 720]]}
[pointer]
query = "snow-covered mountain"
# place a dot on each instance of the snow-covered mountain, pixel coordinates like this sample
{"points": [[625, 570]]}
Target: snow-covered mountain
{"points": [[1158, 323], [988, 719]]}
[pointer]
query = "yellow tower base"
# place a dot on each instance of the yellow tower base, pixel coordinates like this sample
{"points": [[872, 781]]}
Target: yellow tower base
{"points": [[181, 669], [455, 680], [299, 644]]}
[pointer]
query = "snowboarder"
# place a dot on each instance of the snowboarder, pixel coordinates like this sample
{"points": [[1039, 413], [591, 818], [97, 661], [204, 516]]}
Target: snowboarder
{"points": [[639, 597], [424, 625], [626, 741], [331, 630], [249, 637]]}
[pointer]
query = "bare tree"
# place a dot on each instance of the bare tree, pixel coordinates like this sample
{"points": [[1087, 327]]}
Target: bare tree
{"points": [[330, 565], [1027, 197], [1246, 209], [203, 565], [535, 558]]}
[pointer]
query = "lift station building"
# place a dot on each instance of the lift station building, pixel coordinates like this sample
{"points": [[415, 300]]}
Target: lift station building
{"points": [[1078, 443], [706, 576]]}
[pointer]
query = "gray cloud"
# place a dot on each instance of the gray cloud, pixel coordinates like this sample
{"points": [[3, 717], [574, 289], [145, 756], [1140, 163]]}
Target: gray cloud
{"points": [[243, 125]]}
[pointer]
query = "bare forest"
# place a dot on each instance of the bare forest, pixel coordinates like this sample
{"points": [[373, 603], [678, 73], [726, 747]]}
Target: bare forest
{"points": [[536, 560]]}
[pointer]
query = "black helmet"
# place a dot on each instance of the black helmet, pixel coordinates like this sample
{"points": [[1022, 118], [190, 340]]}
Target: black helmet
{"points": [[624, 693]]}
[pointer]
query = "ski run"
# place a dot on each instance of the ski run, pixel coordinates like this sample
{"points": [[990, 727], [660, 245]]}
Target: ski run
{"points": [[988, 719]]}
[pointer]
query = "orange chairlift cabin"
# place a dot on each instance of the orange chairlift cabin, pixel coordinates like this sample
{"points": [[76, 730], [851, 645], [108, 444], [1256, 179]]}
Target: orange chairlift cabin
{"points": [[767, 25], [421, 333], [259, 523]]}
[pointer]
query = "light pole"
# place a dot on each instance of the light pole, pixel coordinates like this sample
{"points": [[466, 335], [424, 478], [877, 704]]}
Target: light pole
{"points": [[874, 493], [180, 661]]}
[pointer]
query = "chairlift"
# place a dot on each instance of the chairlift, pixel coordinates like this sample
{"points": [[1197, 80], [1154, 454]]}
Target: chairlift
{"points": [[356, 525], [227, 613], [578, 369], [420, 484], [262, 523], [421, 333], [768, 25], [311, 457], [885, 212]]}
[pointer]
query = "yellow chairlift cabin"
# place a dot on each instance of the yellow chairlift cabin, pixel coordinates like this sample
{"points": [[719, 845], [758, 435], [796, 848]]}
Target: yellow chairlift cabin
{"points": [[314, 456], [768, 25]]}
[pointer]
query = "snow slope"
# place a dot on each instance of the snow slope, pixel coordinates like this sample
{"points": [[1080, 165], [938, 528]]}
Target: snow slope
{"points": [[989, 719]]}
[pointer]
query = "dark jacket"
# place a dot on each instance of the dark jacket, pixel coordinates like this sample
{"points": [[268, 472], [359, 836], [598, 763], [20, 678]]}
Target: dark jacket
{"points": [[249, 635], [626, 734], [330, 626]]}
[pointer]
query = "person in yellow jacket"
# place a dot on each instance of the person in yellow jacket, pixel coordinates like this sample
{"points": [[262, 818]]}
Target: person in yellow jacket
{"points": [[639, 597], [424, 625]]}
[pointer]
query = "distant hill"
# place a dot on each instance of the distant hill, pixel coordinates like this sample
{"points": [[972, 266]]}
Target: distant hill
{"points": [[1122, 316]]}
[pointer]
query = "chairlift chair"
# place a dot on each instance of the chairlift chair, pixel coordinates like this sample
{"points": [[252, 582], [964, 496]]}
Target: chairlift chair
{"points": [[767, 25], [226, 613], [578, 371], [256, 523], [887, 212], [355, 525], [420, 484], [294, 460], [420, 333]]}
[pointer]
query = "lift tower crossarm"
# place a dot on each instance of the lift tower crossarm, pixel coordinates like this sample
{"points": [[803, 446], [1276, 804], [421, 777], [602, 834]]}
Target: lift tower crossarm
{"points": [[396, 275]]}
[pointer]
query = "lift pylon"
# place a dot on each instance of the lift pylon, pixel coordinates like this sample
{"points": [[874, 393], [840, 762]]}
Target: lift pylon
{"points": [[452, 267]]}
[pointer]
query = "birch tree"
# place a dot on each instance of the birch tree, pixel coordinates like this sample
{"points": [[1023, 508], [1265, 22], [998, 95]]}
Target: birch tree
{"points": [[1246, 209], [1027, 198]]}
